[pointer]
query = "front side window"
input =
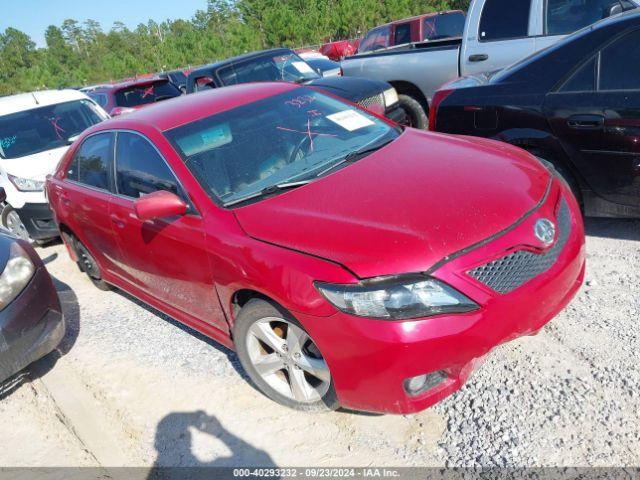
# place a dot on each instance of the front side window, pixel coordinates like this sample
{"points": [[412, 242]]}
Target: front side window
{"points": [[620, 64], [45, 128], [268, 68], [448, 25], [146, 93], [402, 34], [292, 137], [140, 169], [375, 40], [567, 16], [90, 166], [504, 19]]}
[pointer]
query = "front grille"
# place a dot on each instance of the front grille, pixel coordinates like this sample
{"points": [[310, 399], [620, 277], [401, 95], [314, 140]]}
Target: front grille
{"points": [[376, 100], [514, 270]]}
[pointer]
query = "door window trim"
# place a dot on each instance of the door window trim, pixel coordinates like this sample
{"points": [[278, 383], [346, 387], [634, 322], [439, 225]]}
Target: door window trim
{"points": [[598, 55], [191, 210]]}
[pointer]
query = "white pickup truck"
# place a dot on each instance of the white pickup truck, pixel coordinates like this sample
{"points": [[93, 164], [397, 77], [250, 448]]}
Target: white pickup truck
{"points": [[497, 33]]}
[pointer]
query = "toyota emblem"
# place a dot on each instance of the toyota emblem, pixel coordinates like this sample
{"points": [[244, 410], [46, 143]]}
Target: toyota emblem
{"points": [[545, 231]]}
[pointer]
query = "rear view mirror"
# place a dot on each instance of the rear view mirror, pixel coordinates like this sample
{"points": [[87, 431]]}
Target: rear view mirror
{"points": [[161, 204]]}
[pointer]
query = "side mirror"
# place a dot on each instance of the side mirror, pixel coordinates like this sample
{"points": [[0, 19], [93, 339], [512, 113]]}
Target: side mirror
{"points": [[160, 204], [3, 195], [613, 10]]}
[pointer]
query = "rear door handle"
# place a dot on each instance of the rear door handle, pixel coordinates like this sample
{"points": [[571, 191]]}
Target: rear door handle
{"points": [[117, 221], [586, 122], [479, 57]]}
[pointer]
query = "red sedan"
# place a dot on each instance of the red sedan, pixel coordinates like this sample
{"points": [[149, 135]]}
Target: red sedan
{"points": [[349, 262]]}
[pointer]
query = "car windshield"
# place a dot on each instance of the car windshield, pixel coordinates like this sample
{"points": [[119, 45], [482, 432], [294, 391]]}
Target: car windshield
{"points": [[268, 68], [45, 128], [146, 93], [292, 137]]}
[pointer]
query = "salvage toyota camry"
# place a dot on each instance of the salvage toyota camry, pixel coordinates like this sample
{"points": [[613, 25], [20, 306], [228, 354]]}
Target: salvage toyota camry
{"points": [[348, 261]]}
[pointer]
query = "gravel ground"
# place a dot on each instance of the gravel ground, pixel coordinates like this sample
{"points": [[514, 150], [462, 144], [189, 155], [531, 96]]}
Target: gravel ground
{"points": [[132, 387]]}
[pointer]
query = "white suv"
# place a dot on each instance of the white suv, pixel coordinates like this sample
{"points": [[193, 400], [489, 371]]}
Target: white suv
{"points": [[36, 129]]}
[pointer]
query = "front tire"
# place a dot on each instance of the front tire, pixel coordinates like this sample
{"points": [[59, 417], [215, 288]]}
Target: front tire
{"points": [[282, 359], [416, 116], [12, 222]]}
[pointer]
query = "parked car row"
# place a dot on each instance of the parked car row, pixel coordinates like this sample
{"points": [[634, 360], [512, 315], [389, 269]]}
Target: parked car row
{"points": [[496, 34]]}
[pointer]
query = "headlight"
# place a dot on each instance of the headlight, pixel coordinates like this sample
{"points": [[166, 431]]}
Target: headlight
{"points": [[390, 97], [16, 275], [26, 184], [397, 298]]}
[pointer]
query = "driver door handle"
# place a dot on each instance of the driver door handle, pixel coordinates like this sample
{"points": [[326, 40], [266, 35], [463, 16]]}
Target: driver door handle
{"points": [[479, 57]]}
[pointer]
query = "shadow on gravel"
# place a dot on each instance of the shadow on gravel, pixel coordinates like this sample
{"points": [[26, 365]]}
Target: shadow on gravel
{"points": [[233, 358], [621, 229], [39, 368], [178, 455]]}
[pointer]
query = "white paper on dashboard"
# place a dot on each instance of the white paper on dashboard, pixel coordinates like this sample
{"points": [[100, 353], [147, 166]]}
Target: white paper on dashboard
{"points": [[350, 120], [302, 67]]}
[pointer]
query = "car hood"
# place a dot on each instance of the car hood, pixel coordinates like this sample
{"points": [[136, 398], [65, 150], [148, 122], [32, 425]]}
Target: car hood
{"points": [[353, 89], [34, 167], [404, 208]]}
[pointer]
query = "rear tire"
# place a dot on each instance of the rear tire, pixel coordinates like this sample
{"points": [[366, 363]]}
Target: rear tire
{"points": [[282, 359], [88, 265], [416, 116]]}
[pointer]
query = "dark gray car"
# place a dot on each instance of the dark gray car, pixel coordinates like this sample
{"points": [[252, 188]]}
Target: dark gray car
{"points": [[31, 321]]}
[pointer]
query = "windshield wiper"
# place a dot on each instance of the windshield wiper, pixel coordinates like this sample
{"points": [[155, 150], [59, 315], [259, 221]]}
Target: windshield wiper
{"points": [[355, 156], [270, 190]]}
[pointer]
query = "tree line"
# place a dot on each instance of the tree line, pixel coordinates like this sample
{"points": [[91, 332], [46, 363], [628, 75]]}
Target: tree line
{"points": [[79, 54]]}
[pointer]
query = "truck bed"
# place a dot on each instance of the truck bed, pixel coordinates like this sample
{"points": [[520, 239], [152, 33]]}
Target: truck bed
{"points": [[427, 65]]}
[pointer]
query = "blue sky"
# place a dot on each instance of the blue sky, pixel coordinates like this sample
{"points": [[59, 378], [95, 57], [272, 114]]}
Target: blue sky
{"points": [[34, 16]]}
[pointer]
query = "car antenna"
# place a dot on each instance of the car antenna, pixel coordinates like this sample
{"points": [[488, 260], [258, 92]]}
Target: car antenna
{"points": [[35, 98]]}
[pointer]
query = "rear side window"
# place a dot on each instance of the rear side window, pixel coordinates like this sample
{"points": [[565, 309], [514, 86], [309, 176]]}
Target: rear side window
{"points": [[375, 40], [567, 16], [504, 19], [140, 169], [620, 64], [583, 80], [402, 34], [90, 166], [444, 26]]}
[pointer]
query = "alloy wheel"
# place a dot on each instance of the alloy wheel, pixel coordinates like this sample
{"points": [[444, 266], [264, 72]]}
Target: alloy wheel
{"points": [[14, 224], [287, 359]]}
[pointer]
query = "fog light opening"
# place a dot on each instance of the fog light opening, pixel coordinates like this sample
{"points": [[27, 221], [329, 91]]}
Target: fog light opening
{"points": [[415, 386]]}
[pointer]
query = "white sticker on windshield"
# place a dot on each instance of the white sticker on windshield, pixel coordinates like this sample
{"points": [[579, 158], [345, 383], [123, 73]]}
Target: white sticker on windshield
{"points": [[350, 120], [302, 67]]}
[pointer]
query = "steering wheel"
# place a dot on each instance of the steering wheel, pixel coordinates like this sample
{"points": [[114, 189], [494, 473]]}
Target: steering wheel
{"points": [[300, 151]]}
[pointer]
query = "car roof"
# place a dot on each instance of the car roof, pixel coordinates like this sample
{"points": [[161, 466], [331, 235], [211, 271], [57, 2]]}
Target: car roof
{"points": [[418, 17], [247, 56], [29, 101], [178, 111]]}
